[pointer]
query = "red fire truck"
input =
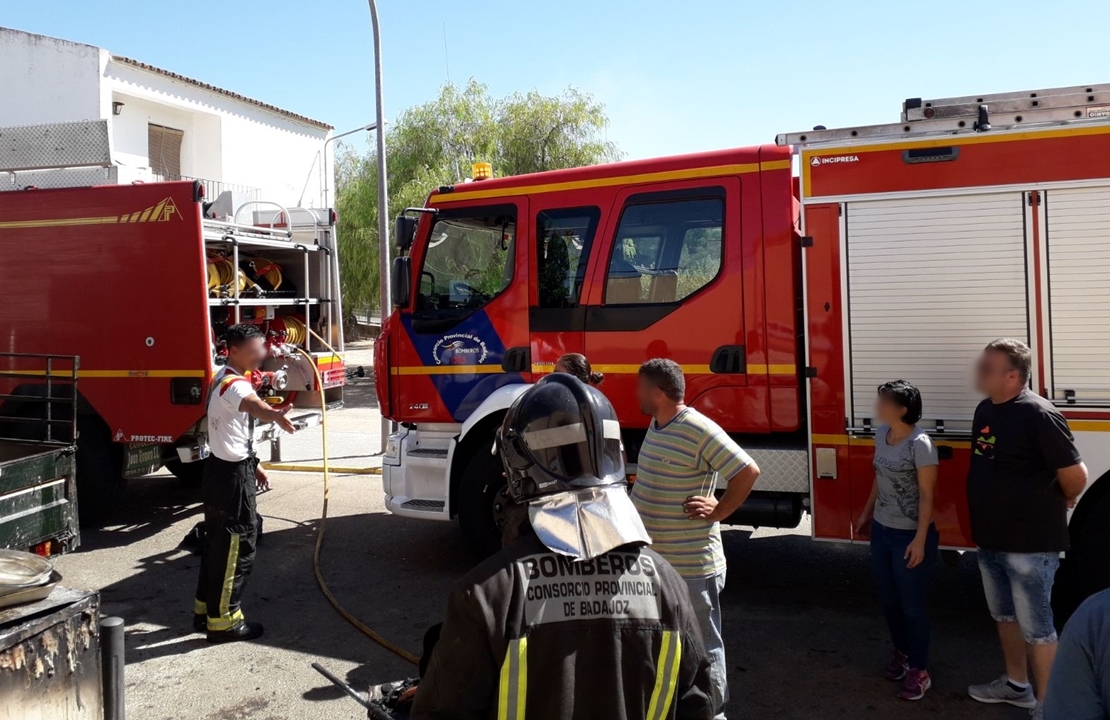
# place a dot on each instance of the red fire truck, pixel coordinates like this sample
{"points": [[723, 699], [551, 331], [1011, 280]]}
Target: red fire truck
{"points": [[896, 251], [140, 280]]}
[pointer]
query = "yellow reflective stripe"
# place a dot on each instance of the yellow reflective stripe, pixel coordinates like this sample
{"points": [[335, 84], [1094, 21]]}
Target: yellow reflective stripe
{"points": [[465, 192], [522, 691], [221, 624], [447, 369], [666, 676], [229, 579], [513, 691], [199, 607]]}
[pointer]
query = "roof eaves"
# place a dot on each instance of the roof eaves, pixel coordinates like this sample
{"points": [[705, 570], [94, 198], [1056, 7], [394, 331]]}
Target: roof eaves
{"points": [[221, 91]]}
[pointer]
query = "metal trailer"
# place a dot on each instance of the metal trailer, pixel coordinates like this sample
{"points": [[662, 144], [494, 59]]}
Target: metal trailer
{"points": [[38, 469], [50, 663]]}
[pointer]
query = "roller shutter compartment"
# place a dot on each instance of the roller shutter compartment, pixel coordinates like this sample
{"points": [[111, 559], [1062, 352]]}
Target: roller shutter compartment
{"points": [[1078, 233], [930, 282]]}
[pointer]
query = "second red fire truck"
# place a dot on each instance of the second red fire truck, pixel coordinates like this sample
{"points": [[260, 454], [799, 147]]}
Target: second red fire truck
{"points": [[895, 251], [140, 281]]}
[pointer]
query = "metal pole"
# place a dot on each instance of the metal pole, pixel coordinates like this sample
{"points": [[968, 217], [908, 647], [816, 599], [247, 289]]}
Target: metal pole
{"points": [[111, 665], [383, 195]]}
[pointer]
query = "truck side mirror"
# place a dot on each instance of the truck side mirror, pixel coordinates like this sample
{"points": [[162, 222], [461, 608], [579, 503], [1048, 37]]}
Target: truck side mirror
{"points": [[404, 230], [400, 284]]}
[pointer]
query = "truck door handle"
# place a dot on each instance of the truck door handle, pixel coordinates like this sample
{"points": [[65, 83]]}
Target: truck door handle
{"points": [[518, 359], [728, 359]]}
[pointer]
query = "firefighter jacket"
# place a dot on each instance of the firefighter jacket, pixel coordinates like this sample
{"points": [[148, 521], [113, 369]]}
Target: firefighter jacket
{"points": [[533, 634]]}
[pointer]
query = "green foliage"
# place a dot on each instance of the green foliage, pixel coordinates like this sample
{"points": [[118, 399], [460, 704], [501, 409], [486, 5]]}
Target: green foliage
{"points": [[435, 144]]}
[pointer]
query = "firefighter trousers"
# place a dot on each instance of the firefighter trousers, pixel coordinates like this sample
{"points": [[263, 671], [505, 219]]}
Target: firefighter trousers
{"points": [[229, 541]]}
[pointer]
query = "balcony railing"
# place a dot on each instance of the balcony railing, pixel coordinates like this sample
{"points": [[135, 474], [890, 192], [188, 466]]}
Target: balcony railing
{"points": [[213, 188]]}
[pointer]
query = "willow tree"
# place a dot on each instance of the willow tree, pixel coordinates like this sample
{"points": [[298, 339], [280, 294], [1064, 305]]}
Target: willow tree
{"points": [[435, 144]]}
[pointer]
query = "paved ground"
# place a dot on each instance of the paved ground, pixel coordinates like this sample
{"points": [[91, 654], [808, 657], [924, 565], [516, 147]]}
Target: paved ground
{"points": [[804, 638]]}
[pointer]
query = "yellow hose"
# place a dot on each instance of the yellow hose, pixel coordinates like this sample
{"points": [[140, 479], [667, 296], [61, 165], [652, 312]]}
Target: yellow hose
{"points": [[358, 624], [296, 332]]}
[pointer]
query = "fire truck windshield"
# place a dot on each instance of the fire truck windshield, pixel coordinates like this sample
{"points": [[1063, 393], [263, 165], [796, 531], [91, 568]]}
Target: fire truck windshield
{"points": [[468, 260]]}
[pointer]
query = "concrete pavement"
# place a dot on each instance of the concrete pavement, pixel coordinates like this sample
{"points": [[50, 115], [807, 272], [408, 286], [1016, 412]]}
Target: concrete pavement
{"points": [[803, 632]]}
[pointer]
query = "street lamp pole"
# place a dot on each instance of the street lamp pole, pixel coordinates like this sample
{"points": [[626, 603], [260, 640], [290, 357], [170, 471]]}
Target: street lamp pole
{"points": [[364, 128], [385, 303]]}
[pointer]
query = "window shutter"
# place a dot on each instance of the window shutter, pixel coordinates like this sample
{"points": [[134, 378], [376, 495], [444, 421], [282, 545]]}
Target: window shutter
{"points": [[164, 150]]}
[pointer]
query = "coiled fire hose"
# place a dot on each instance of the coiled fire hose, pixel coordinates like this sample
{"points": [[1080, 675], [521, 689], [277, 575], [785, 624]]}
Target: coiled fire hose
{"points": [[343, 612]]}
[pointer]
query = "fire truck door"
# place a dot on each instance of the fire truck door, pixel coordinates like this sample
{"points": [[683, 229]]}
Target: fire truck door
{"points": [[466, 331], [668, 283], [563, 240]]}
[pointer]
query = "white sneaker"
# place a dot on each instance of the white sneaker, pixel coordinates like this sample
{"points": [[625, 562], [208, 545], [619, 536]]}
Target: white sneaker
{"points": [[1000, 691]]}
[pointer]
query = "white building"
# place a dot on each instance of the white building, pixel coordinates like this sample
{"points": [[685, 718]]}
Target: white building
{"points": [[165, 125]]}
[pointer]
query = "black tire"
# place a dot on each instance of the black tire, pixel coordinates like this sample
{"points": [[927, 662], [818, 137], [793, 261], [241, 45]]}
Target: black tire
{"points": [[100, 481], [481, 483], [190, 474]]}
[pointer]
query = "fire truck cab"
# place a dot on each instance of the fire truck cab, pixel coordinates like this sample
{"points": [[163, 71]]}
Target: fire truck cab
{"points": [[622, 262], [896, 251]]}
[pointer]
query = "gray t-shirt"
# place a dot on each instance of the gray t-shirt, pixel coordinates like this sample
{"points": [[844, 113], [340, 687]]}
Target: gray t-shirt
{"points": [[896, 472]]}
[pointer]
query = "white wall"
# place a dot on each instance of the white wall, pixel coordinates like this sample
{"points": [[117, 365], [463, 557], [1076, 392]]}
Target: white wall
{"points": [[200, 146], [45, 80], [231, 141]]}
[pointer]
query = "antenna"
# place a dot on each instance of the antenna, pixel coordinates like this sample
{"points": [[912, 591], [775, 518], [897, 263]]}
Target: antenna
{"points": [[446, 58]]}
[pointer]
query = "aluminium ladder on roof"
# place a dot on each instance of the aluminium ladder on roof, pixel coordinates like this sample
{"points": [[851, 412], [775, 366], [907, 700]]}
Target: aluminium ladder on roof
{"points": [[1082, 104]]}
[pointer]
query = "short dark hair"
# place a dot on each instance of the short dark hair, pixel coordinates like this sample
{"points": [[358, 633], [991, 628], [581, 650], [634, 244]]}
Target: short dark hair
{"points": [[667, 376], [236, 335], [1021, 357], [903, 394]]}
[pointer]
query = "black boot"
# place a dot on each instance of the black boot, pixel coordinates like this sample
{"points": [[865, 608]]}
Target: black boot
{"points": [[200, 623], [240, 631]]}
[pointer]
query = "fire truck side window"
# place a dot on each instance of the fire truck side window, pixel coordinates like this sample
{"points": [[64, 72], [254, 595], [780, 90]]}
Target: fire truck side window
{"points": [[665, 251], [468, 261], [563, 239]]}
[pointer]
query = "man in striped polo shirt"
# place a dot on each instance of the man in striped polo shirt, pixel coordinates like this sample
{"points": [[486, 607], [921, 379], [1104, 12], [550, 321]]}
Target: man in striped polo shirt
{"points": [[681, 460]]}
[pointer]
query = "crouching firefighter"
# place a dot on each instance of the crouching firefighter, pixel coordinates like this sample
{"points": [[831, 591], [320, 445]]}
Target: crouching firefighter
{"points": [[577, 618], [230, 487]]}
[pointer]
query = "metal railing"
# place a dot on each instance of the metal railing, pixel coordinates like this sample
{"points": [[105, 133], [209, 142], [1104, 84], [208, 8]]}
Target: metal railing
{"points": [[40, 406], [213, 188]]}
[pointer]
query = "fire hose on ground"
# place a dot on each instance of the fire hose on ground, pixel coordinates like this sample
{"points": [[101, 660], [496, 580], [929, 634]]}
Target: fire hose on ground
{"points": [[343, 612]]}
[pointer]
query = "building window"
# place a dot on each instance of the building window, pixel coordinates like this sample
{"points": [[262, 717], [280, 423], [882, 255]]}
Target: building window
{"points": [[665, 251], [164, 151], [563, 239]]}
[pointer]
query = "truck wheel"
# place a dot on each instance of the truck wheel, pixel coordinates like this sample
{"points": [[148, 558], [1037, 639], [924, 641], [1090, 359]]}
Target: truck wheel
{"points": [[478, 490], [1085, 569], [190, 474], [100, 481]]}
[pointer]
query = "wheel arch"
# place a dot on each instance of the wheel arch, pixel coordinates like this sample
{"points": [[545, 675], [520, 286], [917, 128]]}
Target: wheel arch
{"points": [[477, 431]]}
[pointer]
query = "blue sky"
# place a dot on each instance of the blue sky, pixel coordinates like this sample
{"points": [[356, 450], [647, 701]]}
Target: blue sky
{"points": [[675, 76]]}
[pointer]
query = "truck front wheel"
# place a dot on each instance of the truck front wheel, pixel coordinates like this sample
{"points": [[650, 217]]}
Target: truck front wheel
{"points": [[479, 489]]}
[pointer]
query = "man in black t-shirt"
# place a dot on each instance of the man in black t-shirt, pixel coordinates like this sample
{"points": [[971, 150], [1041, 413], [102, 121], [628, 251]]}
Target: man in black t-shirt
{"points": [[1024, 472]]}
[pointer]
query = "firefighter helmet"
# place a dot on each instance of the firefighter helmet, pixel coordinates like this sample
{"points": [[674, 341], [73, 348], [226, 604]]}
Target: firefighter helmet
{"points": [[559, 436]]}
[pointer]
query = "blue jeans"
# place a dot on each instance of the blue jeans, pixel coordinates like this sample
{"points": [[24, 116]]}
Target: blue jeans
{"points": [[705, 596], [1018, 587], [903, 591]]}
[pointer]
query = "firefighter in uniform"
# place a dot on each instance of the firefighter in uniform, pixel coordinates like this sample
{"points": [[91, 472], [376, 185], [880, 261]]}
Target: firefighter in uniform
{"points": [[231, 477], [577, 618]]}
